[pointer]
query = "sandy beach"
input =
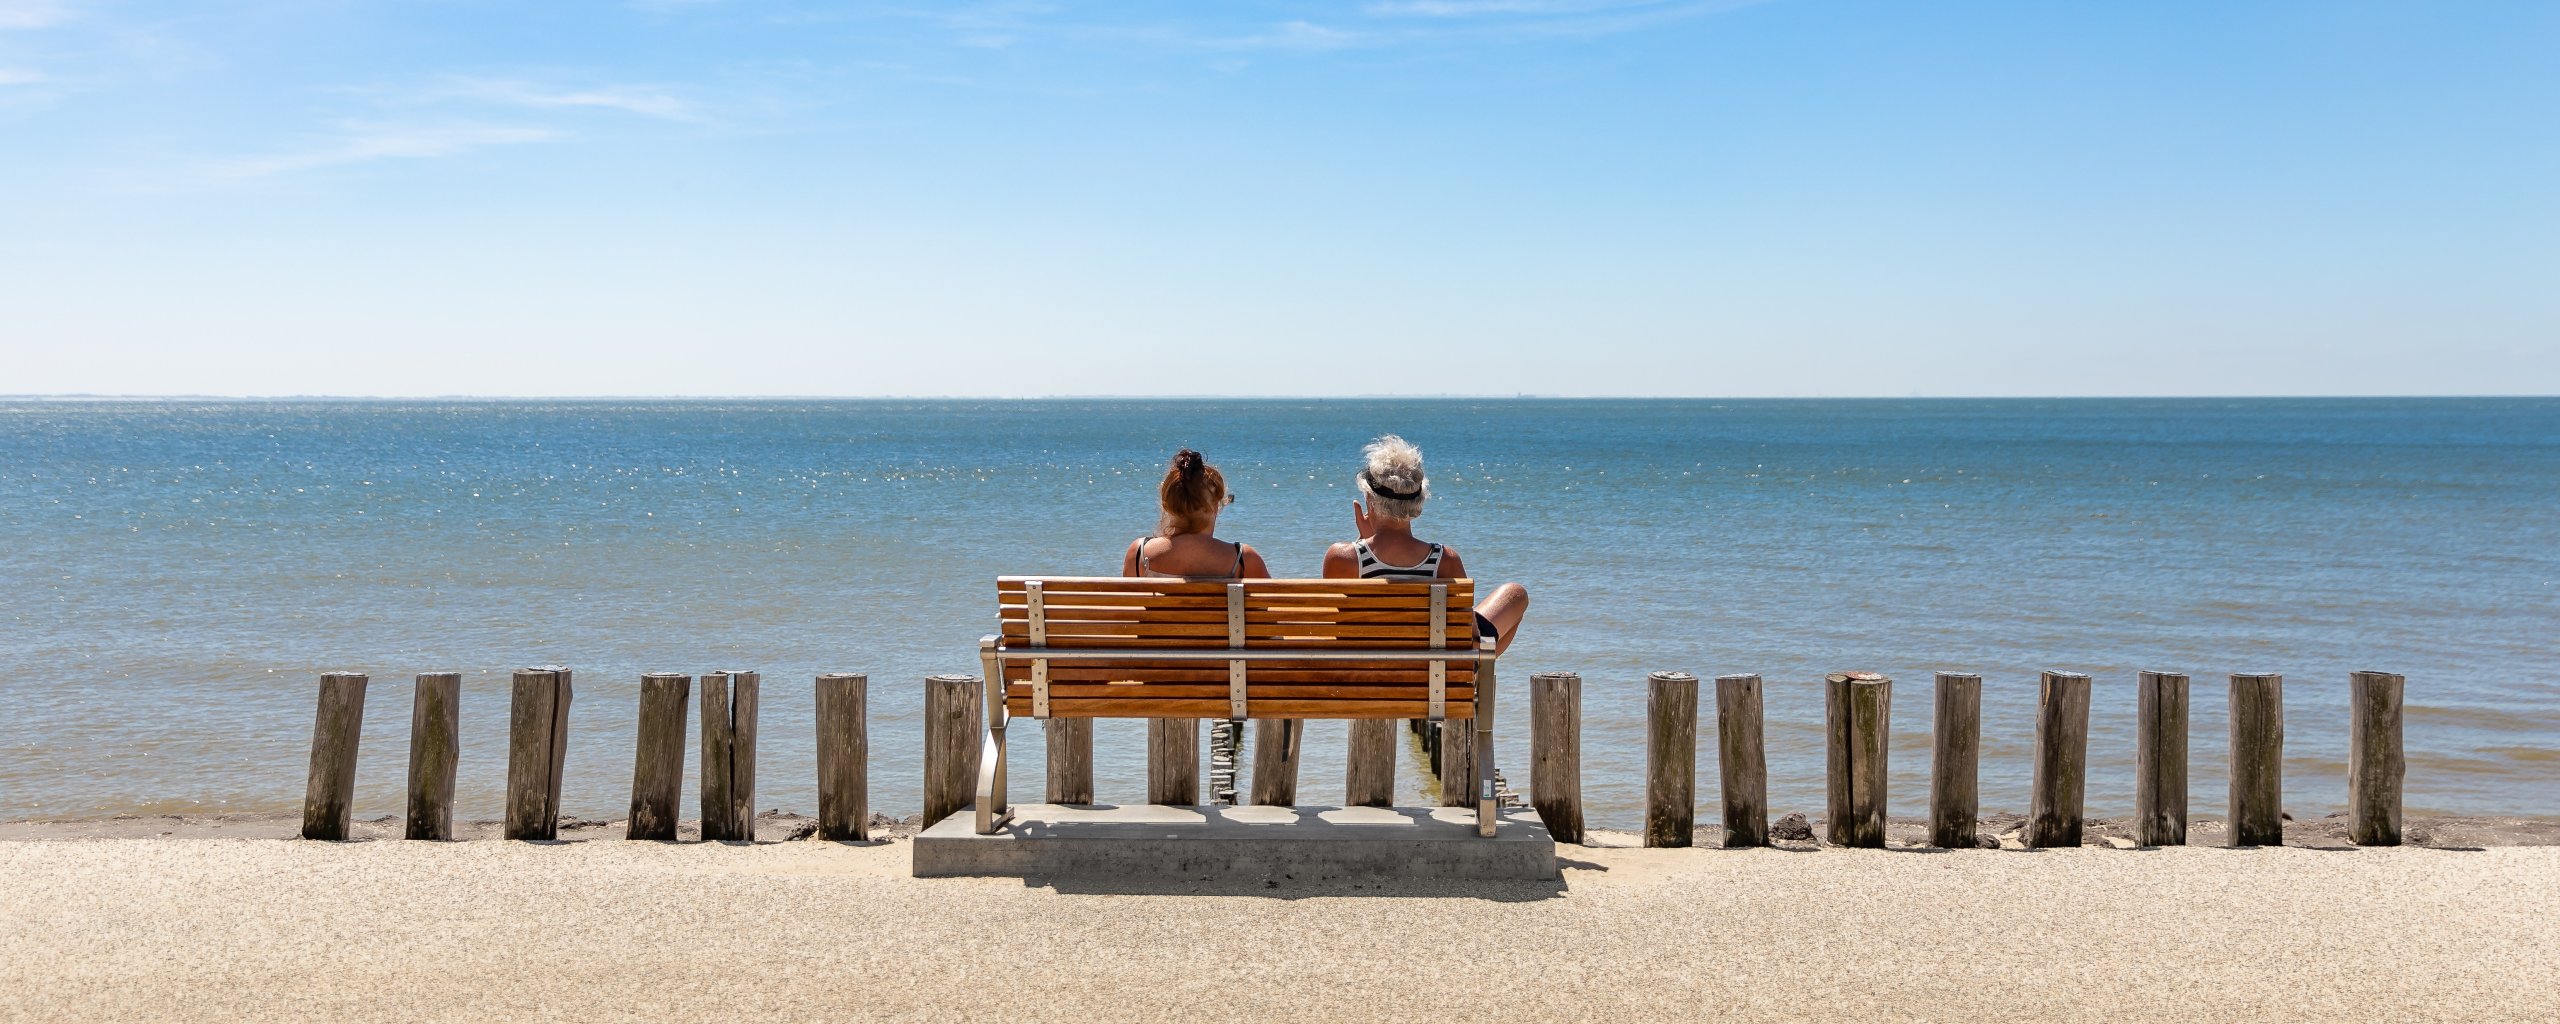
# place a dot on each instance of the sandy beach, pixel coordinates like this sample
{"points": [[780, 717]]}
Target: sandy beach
{"points": [[249, 928]]}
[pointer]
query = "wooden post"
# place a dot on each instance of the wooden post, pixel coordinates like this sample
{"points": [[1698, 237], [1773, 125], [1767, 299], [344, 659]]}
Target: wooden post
{"points": [[537, 743], [1173, 761], [1742, 761], [2375, 763], [435, 730], [952, 730], [717, 735], [1859, 722], [1369, 779], [1555, 753], [1275, 761], [2257, 759], [1457, 763], [657, 758], [1070, 760], [2062, 761], [2160, 759], [1955, 794], [328, 798], [844, 757], [729, 701], [1671, 759]]}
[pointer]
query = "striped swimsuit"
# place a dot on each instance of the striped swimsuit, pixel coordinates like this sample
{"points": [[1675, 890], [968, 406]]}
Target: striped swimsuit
{"points": [[1374, 568]]}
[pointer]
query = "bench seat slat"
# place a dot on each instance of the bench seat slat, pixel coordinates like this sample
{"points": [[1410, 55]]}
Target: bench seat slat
{"points": [[1200, 672], [1258, 677], [1106, 707], [1012, 603], [1170, 585], [1057, 614], [1409, 635], [1260, 646], [1336, 689], [1017, 635]]}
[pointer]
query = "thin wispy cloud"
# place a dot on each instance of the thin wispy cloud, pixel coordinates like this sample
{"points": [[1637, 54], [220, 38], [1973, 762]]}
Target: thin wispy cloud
{"points": [[646, 101], [358, 142], [27, 14], [20, 76], [1378, 25], [1485, 8]]}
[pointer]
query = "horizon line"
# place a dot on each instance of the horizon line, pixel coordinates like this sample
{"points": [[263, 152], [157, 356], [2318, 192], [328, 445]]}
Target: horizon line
{"points": [[83, 396]]}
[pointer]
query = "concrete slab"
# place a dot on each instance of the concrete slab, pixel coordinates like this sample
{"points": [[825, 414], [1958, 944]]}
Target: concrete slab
{"points": [[1233, 843]]}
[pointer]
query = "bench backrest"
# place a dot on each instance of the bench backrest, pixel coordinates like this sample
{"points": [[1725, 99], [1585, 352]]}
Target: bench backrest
{"points": [[1109, 647]]}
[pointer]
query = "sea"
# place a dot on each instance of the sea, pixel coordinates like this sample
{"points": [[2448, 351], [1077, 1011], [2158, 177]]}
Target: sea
{"points": [[176, 574]]}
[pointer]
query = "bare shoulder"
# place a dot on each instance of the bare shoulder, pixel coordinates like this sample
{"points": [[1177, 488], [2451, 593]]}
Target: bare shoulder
{"points": [[1451, 566]]}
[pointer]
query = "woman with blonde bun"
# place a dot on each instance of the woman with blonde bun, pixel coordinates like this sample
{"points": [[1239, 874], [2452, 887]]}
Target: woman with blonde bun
{"points": [[1392, 490], [1185, 544]]}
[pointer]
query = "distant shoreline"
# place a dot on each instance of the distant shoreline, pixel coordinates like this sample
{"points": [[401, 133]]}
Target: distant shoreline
{"points": [[1377, 397]]}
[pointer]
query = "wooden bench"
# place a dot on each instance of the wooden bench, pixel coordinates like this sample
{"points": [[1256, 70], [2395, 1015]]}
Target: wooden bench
{"points": [[1111, 647]]}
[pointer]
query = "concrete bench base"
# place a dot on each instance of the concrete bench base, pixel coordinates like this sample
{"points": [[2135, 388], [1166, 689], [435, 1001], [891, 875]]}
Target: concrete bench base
{"points": [[1232, 843]]}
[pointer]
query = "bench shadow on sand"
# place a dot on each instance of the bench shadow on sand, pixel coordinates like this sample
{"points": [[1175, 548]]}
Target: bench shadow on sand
{"points": [[1286, 888]]}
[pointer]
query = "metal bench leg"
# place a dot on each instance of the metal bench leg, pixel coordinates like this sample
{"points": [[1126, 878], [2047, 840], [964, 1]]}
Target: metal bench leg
{"points": [[992, 810], [1483, 725]]}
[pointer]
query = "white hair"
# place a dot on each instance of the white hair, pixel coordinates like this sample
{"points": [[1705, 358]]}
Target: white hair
{"points": [[1394, 464]]}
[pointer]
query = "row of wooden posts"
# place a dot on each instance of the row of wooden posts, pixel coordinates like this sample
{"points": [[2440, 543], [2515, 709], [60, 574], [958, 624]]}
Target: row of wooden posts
{"points": [[538, 742], [538, 737], [1858, 721]]}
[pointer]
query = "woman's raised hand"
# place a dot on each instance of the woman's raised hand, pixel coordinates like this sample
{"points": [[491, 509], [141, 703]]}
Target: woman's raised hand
{"points": [[1359, 520]]}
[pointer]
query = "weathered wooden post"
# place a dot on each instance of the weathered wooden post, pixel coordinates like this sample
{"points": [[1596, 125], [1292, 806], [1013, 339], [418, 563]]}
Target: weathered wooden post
{"points": [[435, 730], [1858, 720], [1671, 759], [844, 757], [2375, 763], [1369, 779], [1070, 742], [328, 798], [952, 705], [537, 743], [657, 758], [2062, 761], [1457, 762], [1955, 793], [2160, 759], [1742, 761], [1275, 761], [1173, 761], [1555, 753], [729, 702], [2257, 759]]}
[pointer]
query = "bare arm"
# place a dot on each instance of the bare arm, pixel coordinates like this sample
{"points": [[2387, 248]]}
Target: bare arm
{"points": [[1451, 566], [1129, 558], [1341, 563], [1253, 567]]}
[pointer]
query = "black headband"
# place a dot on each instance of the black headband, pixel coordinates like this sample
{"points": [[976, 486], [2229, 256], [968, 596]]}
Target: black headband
{"points": [[1381, 489]]}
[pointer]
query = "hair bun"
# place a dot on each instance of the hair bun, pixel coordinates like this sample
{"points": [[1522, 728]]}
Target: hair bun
{"points": [[1186, 462]]}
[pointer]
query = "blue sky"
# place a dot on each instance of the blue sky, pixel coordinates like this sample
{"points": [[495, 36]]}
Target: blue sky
{"points": [[1796, 197]]}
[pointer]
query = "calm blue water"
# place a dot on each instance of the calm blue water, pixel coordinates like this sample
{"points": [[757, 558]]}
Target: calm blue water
{"points": [[174, 575]]}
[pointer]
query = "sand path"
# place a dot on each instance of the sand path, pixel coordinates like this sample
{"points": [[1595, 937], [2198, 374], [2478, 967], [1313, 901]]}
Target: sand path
{"points": [[238, 929]]}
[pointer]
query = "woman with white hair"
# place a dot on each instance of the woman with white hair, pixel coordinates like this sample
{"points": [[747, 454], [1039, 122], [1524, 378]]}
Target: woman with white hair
{"points": [[1392, 490]]}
